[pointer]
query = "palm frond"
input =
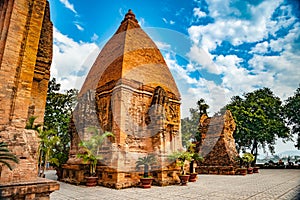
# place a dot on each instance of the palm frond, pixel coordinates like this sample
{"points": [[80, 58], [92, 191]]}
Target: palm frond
{"points": [[6, 155]]}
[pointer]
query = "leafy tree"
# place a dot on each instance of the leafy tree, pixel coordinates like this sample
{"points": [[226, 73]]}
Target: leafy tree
{"points": [[6, 156], [57, 117], [202, 107], [259, 119], [189, 125], [292, 113], [59, 107]]}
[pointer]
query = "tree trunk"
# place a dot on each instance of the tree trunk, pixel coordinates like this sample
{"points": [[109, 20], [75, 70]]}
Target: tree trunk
{"points": [[254, 152], [146, 171], [192, 166]]}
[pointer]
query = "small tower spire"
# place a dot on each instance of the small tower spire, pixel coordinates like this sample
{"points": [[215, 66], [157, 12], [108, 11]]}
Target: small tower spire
{"points": [[130, 16]]}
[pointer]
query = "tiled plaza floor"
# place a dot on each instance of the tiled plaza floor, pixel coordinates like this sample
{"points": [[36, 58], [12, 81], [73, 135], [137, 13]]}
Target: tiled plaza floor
{"points": [[268, 184]]}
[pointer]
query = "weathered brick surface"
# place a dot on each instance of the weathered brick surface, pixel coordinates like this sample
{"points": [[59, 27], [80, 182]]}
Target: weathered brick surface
{"points": [[39, 189], [26, 54], [134, 96], [217, 145], [25, 59]]}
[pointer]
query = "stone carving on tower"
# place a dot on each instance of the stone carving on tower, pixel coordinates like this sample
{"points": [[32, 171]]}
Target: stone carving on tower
{"points": [[130, 92]]}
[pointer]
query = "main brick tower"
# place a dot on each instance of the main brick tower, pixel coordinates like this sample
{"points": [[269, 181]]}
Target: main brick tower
{"points": [[130, 92]]}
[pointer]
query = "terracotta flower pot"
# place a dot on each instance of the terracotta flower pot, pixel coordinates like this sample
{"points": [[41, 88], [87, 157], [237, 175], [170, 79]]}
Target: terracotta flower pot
{"points": [[91, 181], [241, 171], [250, 170], [184, 179], [193, 177], [146, 182], [255, 169]]}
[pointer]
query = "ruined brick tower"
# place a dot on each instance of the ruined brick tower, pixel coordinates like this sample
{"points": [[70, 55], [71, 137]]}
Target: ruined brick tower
{"points": [[130, 92], [218, 145], [25, 59]]}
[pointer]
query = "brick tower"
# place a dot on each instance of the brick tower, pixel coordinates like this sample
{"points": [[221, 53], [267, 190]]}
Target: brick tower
{"points": [[130, 92], [25, 59]]}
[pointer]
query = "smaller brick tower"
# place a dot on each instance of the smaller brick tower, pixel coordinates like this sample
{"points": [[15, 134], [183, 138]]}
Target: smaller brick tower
{"points": [[217, 145]]}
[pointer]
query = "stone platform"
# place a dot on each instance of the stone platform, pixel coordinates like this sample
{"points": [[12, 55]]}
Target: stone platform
{"points": [[39, 189]]}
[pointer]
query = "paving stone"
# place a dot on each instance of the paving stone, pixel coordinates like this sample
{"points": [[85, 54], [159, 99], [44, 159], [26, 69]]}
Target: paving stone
{"points": [[268, 184]]}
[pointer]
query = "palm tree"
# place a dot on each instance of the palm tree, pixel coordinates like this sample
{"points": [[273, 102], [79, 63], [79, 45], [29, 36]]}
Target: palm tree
{"points": [[146, 162], [6, 156], [92, 149], [48, 140]]}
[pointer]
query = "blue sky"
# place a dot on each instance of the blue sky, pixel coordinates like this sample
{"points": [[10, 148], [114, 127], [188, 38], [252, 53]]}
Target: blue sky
{"points": [[215, 49]]}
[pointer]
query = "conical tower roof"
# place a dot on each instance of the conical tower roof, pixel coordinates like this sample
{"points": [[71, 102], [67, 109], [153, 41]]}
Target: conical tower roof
{"points": [[132, 55]]}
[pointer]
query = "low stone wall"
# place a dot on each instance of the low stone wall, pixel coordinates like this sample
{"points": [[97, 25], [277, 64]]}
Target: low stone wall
{"points": [[112, 178], [221, 170], [39, 189]]}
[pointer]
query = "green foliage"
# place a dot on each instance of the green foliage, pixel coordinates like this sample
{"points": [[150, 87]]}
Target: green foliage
{"points": [[92, 146], [181, 157], [48, 141], [195, 156], [6, 156], [30, 124], [57, 118], [259, 120], [247, 159], [146, 162], [292, 113], [202, 107], [189, 125]]}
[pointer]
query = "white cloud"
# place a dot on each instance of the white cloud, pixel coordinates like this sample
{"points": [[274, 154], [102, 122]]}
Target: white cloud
{"points": [[198, 13], [192, 89], [203, 58], [213, 94], [180, 72], [71, 60], [68, 5], [278, 72], [141, 21], [261, 47], [95, 37], [233, 29], [79, 27], [235, 79], [168, 21], [162, 45], [284, 70]]}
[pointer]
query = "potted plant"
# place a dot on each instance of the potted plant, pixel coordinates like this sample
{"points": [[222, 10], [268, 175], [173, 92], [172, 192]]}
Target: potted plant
{"points": [[242, 170], [195, 159], [181, 157], [146, 161], [90, 155], [245, 164], [248, 158]]}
